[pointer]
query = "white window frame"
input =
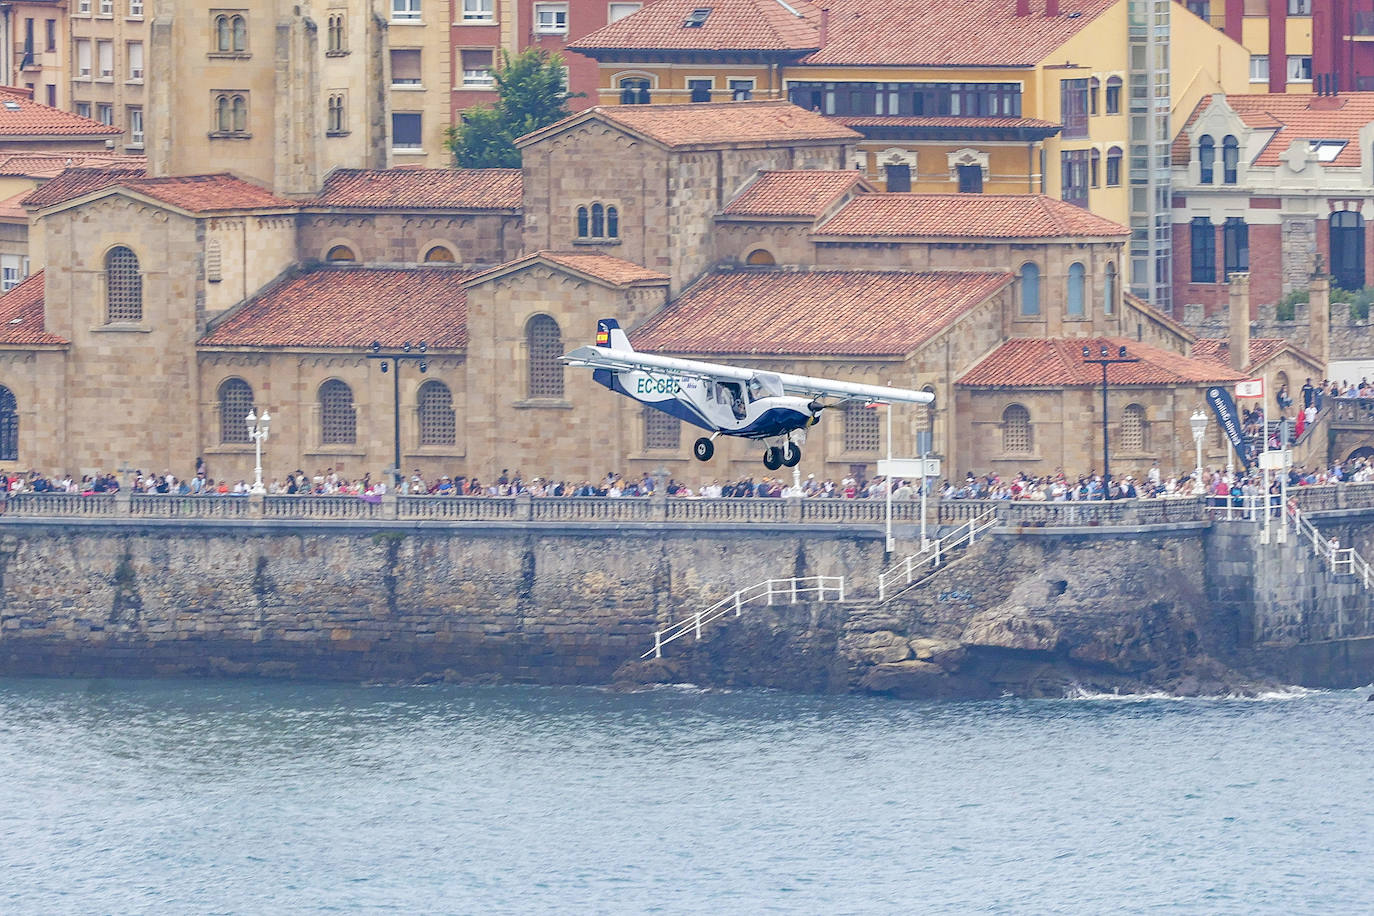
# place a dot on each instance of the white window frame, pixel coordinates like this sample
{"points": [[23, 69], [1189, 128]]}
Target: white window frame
{"points": [[83, 7], [405, 11], [84, 73], [479, 11], [557, 16], [103, 108], [732, 81], [83, 109], [419, 83], [135, 9], [135, 116], [1294, 64], [135, 73], [107, 8], [1259, 68], [104, 56], [626, 9], [478, 77]]}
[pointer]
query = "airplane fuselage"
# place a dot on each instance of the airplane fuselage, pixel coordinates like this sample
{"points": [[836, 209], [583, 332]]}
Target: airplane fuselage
{"points": [[723, 407]]}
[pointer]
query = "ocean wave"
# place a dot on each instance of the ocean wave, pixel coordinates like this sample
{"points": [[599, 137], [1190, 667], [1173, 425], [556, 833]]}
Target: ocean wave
{"points": [[1290, 692]]}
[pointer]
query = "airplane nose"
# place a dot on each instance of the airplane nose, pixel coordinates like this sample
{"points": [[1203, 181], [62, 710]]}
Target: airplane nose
{"points": [[816, 407]]}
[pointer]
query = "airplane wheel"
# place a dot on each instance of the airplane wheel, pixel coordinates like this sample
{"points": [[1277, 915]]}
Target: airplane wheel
{"points": [[703, 449], [791, 455], [772, 458]]}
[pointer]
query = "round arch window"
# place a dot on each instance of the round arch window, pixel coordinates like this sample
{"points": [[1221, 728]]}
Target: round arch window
{"points": [[341, 253]]}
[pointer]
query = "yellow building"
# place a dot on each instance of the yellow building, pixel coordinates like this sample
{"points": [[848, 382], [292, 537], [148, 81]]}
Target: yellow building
{"points": [[1278, 34]]}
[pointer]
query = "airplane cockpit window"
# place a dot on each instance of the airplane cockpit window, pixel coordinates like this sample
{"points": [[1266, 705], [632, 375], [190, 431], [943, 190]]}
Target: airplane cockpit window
{"points": [[765, 385], [730, 393]]}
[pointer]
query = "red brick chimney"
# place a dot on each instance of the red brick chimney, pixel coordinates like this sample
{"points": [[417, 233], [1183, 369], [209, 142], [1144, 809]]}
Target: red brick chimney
{"points": [[1023, 7], [825, 22]]}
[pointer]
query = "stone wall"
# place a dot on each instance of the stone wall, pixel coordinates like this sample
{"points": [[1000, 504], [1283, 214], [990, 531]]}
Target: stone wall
{"points": [[1350, 337]]}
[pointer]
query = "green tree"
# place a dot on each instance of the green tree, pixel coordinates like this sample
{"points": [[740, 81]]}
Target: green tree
{"points": [[530, 94]]}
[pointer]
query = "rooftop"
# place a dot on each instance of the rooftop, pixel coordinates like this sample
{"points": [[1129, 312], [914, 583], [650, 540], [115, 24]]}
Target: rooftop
{"points": [[1286, 118], [1057, 362], [730, 25], [192, 193], [1007, 216], [709, 124], [50, 165], [609, 269], [805, 194], [1218, 349], [21, 314], [824, 312], [21, 117], [421, 189], [336, 307]]}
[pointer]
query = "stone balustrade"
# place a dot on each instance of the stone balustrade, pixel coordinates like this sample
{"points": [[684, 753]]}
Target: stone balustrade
{"points": [[1352, 411]]}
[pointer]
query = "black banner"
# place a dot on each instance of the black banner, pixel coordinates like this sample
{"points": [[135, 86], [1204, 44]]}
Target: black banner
{"points": [[1224, 406]]}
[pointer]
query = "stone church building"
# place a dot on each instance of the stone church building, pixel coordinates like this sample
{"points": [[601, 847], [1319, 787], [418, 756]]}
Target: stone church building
{"points": [[167, 307]]}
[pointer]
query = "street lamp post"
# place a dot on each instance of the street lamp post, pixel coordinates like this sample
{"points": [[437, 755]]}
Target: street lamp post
{"points": [[1198, 421], [392, 362], [1105, 359], [257, 431]]}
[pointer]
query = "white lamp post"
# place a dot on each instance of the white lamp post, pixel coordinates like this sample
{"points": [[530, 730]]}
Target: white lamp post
{"points": [[257, 431], [1198, 421]]}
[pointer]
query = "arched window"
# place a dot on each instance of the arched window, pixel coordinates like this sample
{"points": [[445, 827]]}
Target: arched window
{"points": [[223, 34], [634, 90], [661, 430], [598, 221], [1095, 168], [1109, 289], [612, 223], [1347, 249], [1202, 249], [240, 33], [1206, 158], [337, 36], [1114, 167], [338, 422], [123, 286], [341, 253], [336, 121], [224, 120], [1230, 160], [437, 423], [1235, 237], [439, 255], [9, 425], [1016, 430], [1077, 294], [235, 402], [1133, 429], [1113, 95], [544, 345], [1094, 85], [584, 226], [1030, 289], [239, 108], [760, 257]]}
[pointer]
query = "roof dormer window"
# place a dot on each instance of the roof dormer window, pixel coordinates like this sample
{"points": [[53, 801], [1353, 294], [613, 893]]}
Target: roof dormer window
{"points": [[696, 18], [1325, 150]]}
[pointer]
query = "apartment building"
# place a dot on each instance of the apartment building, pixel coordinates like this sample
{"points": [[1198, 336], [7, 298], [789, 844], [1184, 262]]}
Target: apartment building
{"points": [[33, 49], [109, 40]]}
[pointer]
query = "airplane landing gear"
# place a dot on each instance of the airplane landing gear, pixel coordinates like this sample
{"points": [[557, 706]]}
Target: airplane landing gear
{"points": [[791, 454], [772, 458], [703, 449]]}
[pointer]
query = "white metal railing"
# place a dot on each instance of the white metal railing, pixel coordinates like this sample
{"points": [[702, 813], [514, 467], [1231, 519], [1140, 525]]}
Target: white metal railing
{"points": [[789, 590], [1344, 561], [932, 553]]}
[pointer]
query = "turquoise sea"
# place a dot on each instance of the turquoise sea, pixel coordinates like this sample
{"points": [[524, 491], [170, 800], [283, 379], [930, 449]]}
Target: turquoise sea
{"points": [[249, 797]]}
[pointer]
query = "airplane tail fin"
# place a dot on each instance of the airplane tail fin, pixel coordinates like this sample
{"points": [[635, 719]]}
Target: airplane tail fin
{"points": [[608, 334]]}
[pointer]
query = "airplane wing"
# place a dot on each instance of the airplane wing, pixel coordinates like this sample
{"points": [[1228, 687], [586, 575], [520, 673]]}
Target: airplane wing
{"points": [[801, 385]]}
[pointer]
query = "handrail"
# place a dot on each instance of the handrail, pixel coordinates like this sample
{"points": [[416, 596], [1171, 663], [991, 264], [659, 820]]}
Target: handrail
{"points": [[1342, 560], [782, 588], [937, 548]]}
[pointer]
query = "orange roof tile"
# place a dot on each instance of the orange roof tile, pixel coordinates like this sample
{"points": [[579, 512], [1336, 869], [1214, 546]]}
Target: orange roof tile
{"points": [[331, 307], [1056, 362], [710, 124], [21, 116], [422, 189], [806, 194], [194, 193], [1004, 216], [1293, 117], [731, 25], [1218, 349], [50, 165], [12, 207], [1156, 315], [832, 312], [911, 33], [21, 314], [944, 121], [607, 268]]}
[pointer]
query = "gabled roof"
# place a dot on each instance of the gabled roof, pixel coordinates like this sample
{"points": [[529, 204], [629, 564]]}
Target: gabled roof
{"points": [[707, 124], [824, 312], [421, 189], [1003, 216], [1057, 362], [1176, 328], [1291, 117], [604, 268], [730, 25], [50, 165], [334, 307], [946, 121], [907, 33], [23, 118], [1218, 349], [801, 194], [192, 193], [21, 314]]}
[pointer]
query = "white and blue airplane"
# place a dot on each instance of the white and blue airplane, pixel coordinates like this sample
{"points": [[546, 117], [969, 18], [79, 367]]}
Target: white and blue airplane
{"points": [[773, 407]]}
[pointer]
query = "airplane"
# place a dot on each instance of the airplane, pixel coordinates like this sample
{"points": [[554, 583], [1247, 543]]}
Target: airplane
{"points": [[773, 407]]}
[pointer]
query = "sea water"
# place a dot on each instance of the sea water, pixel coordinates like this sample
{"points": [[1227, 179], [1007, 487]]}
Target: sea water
{"points": [[249, 797]]}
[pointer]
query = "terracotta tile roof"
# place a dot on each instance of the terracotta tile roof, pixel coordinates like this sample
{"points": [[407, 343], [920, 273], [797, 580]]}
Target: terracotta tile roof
{"points": [[1134, 301], [193, 193], [1004, 216], [50, 165], [912, 33], [21, 116], [331, 307], [21, 314], [711, 124], [832, 312], [732, 25], [607, 268], [1218, 349], [901, 121], [421, 189], [1057, 362], [12, 207], [805, 194], [1294, 117]]}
